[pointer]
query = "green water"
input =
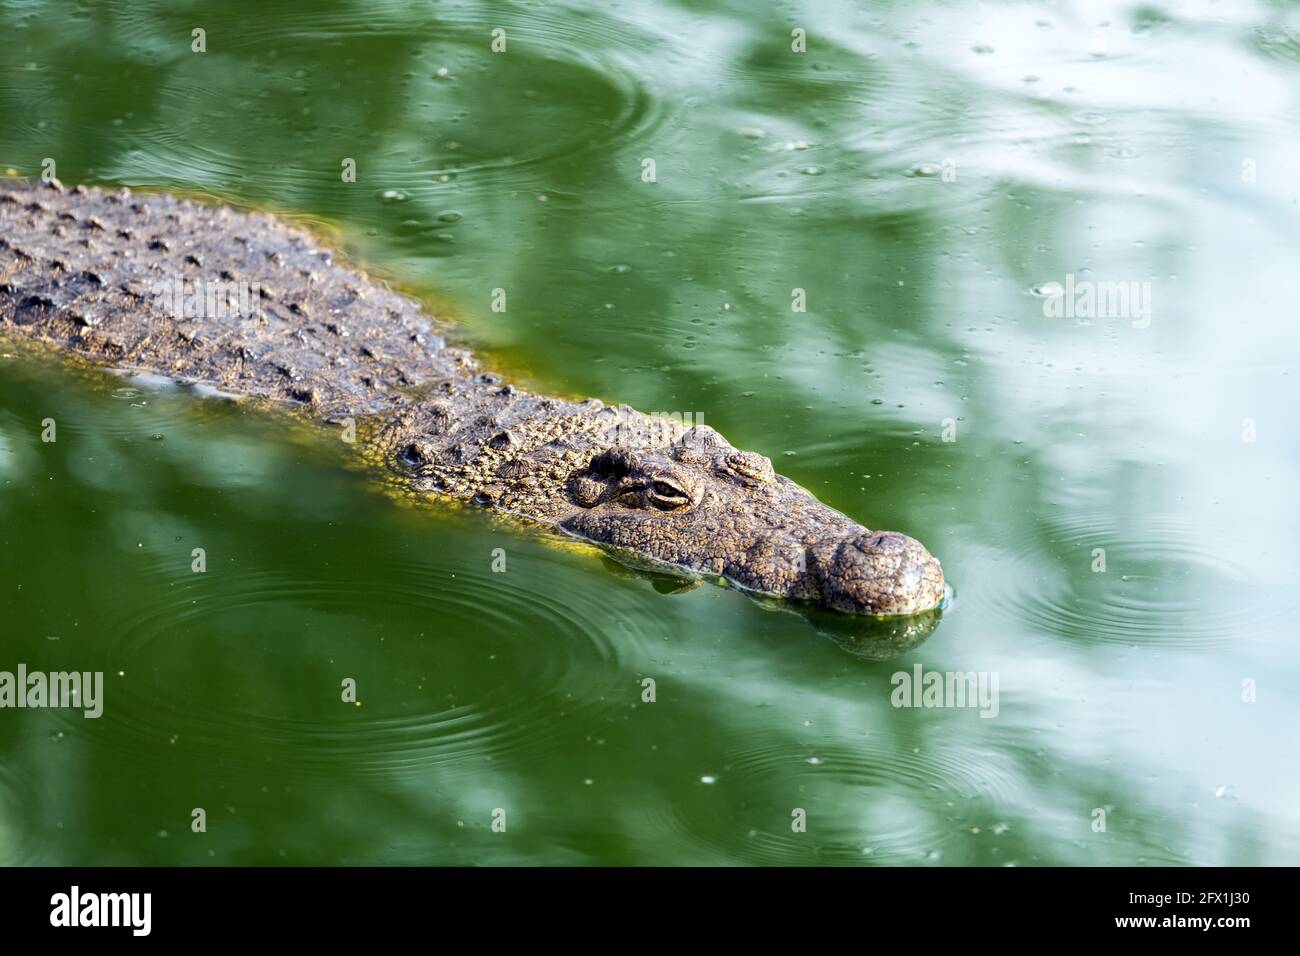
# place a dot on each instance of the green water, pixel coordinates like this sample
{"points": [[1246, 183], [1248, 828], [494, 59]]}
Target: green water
{"points": [[922, 172]]}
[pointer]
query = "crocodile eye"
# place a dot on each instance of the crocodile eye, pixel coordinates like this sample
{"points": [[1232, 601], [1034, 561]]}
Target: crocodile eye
{"points": [[667, 494]]}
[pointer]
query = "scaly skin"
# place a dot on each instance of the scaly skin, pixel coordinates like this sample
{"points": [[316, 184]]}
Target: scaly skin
{"points": [[83, 269]]}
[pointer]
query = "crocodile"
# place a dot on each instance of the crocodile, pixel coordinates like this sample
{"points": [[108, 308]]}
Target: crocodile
{"points": [[255, 305]]}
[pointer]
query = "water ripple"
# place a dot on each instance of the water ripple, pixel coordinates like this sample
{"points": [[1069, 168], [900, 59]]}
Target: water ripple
{"points": [[1166, 581], [860, 803], [487, 121], [413, 716]]}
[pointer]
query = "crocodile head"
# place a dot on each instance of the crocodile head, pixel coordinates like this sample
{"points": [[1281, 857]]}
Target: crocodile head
{"points": [[703, 506]]}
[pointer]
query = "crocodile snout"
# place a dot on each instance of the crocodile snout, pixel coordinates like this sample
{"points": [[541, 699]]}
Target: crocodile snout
{"points": [[879, 572]]}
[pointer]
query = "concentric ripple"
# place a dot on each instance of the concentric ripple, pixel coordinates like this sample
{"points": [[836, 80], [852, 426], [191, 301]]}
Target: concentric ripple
{"points": [[474, 120], [860, 803], [1153, 579], [399, 640]]}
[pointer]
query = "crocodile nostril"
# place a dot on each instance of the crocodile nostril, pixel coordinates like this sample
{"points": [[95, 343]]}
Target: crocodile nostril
{"points": [[881, 541]]}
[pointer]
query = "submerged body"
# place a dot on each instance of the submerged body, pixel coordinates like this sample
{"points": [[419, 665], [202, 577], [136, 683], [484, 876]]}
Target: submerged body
{"points": [[251, 305]]}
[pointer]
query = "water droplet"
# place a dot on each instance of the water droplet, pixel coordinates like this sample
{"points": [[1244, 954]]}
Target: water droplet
{"points": [[708, 778], [393, 196], [812, 170], [1048, 290], [1089, 117]]}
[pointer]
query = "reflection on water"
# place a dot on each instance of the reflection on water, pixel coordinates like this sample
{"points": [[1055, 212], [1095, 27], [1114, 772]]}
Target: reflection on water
{"points": [[1113, 500]]}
